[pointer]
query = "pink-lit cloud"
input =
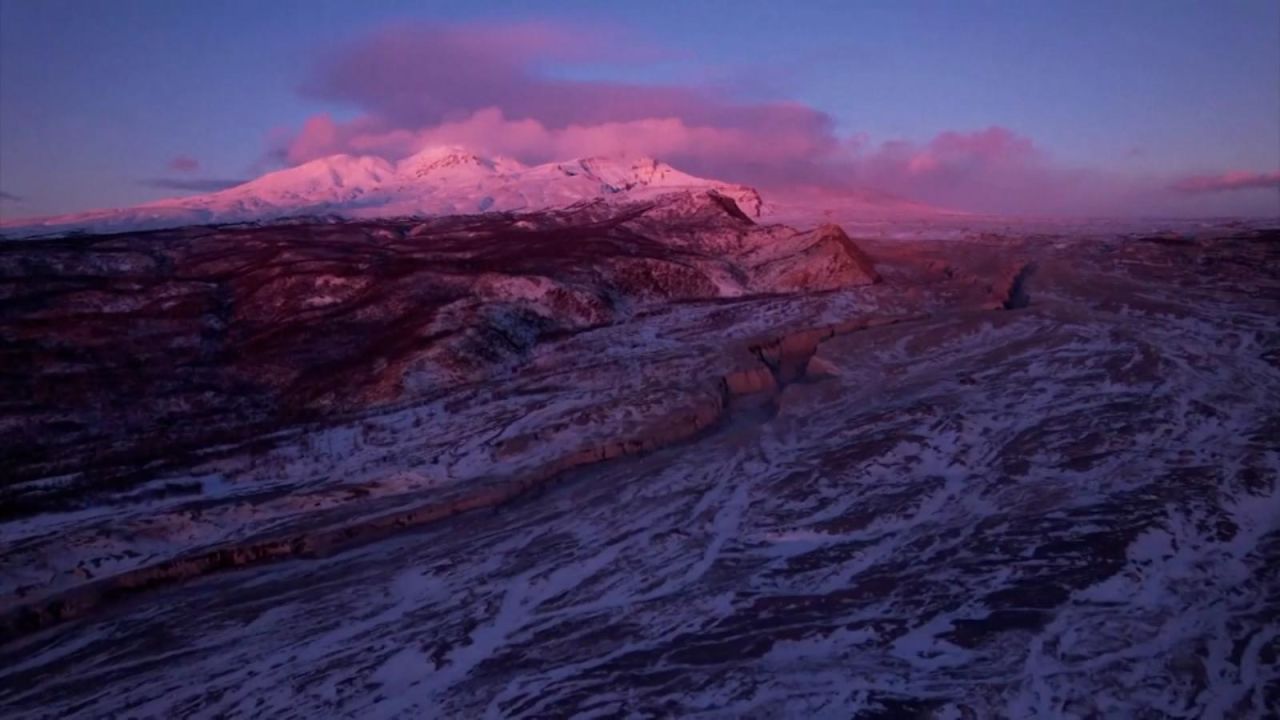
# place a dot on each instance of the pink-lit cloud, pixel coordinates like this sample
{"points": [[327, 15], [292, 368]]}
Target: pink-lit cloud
{"points": [[419, 75], [957, 168], [484, 87], [488, 88], [184, 164], [722, 151], [992, 170], [1234, 180]]}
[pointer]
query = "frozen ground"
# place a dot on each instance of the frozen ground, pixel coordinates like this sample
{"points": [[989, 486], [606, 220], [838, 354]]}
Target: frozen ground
{"points": [[1067, 508]]}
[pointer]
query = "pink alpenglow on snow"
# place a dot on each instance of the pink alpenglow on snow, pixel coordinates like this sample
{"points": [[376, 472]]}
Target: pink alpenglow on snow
{"points": [[438, 180]]}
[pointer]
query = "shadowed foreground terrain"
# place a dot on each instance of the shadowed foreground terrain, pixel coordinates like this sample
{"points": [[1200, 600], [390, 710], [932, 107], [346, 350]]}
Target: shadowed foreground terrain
{"points": [[657, 462]]}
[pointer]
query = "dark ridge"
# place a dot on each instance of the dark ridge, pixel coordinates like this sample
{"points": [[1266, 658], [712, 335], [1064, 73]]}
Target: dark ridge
{"points": [[729, 206], [1019, 297]]}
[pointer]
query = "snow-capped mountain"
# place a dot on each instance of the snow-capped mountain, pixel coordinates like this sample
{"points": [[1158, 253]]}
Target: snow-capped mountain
{"points": [[435, 181]]}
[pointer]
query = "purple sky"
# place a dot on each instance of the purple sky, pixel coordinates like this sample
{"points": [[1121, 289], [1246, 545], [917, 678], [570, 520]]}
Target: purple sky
{"points": [[1084, 108]]}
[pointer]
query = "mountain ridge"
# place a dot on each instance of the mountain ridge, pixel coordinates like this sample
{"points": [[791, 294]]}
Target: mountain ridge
{"points": [[443, 180], [447, 180]]}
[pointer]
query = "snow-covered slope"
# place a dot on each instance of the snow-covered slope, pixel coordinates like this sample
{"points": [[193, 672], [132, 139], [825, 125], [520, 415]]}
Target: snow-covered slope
{"points": [[435, 181]]}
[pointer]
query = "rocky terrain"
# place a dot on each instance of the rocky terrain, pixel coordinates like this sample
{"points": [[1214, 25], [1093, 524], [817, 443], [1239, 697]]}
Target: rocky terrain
{"points": [[641, 459], [128, 348]]}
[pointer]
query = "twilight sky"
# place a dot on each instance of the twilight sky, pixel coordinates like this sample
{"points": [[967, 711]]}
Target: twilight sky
{"points": [[1163, 107]]}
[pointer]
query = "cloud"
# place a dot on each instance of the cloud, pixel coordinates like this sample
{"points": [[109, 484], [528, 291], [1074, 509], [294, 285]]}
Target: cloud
{"points": [[994, 170], [506, 90], [423, 74], [720, 151], [1234, 180], [190, 184], [184, 164], [997, 170], [486, 87], [9, 196], [187, 165]]}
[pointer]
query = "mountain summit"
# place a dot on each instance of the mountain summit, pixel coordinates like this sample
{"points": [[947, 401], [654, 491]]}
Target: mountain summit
{"points": [[446, 180]]}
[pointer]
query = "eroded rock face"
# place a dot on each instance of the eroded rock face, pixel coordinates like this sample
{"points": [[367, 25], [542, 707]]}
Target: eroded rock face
{"points": [[124, 347], [824, 259]]}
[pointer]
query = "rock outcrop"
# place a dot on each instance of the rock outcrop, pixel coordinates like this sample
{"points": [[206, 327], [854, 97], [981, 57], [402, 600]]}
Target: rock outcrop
{"points": [[123, 349]]}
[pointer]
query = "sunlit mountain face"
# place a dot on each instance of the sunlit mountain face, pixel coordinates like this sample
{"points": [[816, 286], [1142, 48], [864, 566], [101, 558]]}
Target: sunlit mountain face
{"points": [[573, 366], [433, 182]]}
